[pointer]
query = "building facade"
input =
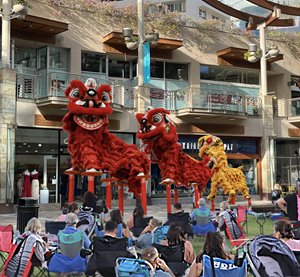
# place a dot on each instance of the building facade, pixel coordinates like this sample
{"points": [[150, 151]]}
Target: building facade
{"points": [[199, 75]]}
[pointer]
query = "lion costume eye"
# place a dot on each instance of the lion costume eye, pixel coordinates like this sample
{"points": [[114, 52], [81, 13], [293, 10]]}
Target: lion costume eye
{"points": [[75, 93], [105, 97], [157, 118]]}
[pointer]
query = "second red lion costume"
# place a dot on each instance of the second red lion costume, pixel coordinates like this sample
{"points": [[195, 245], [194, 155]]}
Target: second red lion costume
{"points": [[92, 147], [160, 138]]}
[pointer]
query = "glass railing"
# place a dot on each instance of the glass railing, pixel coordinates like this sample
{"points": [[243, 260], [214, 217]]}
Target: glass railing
{"points": [[213, 100]]}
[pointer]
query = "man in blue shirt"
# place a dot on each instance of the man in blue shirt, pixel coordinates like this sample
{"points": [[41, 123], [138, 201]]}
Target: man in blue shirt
{"points": [[71, 221]]}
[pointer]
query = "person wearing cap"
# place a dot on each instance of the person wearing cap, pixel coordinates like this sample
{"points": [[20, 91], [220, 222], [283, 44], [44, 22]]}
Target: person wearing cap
{"points": [[290, 204], [71, 221]]}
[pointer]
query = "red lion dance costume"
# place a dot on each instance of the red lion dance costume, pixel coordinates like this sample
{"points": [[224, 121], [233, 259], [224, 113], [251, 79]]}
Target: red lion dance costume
{"points": [[90, 144], [160, 138]]}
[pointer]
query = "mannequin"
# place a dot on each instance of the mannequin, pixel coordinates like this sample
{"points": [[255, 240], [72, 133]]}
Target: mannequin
{"points": [[26, 185], [35, 185]]}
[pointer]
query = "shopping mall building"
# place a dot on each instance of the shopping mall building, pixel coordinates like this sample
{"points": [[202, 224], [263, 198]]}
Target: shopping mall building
{"points": [[199, 75]]}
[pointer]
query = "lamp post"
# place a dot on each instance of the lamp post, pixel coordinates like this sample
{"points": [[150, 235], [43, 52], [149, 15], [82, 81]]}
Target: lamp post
{"points": [[18, 11], [140, 15], [267, 105]]}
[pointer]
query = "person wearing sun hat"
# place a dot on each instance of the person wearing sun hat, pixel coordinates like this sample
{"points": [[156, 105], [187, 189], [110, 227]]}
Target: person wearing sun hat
{"points": [[290, 204]]}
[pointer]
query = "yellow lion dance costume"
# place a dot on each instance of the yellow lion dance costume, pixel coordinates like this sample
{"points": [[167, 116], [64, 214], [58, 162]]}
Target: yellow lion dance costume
{"points": [[232, 180]]}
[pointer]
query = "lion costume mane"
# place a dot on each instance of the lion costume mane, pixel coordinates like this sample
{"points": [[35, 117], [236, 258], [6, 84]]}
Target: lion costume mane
{"points": [[232, 180], [160, 138], [91, 146]]}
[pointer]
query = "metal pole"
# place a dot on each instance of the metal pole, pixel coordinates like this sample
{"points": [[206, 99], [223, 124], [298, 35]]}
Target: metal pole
{"points": [[263, 62], [140, 14], [6, 4]]}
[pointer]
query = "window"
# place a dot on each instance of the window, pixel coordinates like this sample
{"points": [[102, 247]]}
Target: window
{"points": [[225, 74], [119, 69], [157, 70], [26, 57], [176, 71], [202, 14], [93, 62], [176, 7], [58, 57], [42, 58]]}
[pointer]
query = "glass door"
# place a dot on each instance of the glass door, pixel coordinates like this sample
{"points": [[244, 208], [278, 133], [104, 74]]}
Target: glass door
{"points": [[50, 177]]}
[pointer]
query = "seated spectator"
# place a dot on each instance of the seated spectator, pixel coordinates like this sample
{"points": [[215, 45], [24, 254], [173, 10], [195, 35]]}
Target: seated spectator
{"points": [[106, 250], [182, 218], [68, 208], [31, 239], [89, 199], [201, 219], [138, 212], [85, 218], [228, 218], [175, 236], [283, 230], [145, 239], [214, 246], [150, 254], [137, 222], [123, 230], [202, 210], [71, 222]]}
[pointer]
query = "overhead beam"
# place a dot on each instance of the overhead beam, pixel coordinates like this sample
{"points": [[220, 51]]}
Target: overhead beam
{"points": [[245, 16], [269, 5]]}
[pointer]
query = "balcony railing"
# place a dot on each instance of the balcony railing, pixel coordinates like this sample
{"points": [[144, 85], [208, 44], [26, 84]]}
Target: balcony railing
{"points": [[211, 101]]}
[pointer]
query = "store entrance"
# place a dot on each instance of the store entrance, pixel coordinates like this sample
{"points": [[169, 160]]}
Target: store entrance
{"points": [[50, 177]]}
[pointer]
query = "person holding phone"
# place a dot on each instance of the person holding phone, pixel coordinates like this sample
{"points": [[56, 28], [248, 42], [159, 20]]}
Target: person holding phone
{"points": [[151, 255]]}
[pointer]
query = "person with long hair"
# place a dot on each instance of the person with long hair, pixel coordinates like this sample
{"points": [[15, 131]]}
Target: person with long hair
{"points": [[214, 246], [283, 230], [31, 239], [175, 236], [123, 230], [138, 213]]}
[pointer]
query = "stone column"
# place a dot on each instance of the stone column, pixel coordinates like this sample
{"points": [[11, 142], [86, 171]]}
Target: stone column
{"points": [[7, 134], [266, 155]]}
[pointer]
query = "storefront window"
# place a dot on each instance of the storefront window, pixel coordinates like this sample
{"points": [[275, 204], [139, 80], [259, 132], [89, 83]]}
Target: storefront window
{"points": [[157, 70], [119, 69]]}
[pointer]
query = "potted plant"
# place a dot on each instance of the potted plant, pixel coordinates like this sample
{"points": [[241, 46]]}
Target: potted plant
{"points": [[21, 7], [253, 56], [273, 51], [132, 44]]}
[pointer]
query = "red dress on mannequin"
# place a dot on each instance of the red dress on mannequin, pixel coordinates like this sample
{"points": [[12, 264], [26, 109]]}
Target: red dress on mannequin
{"points": [[26, 185]]}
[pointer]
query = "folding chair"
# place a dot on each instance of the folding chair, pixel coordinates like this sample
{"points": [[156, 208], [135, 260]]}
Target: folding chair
{"points": [[204, 225], [128, 267], [53, 227], [69, 259], [174, 257], [139, 225], [183, 219], [6, 240], [160, 233], [105, 252], [242, 217], [235, 241], [225, 268]]}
